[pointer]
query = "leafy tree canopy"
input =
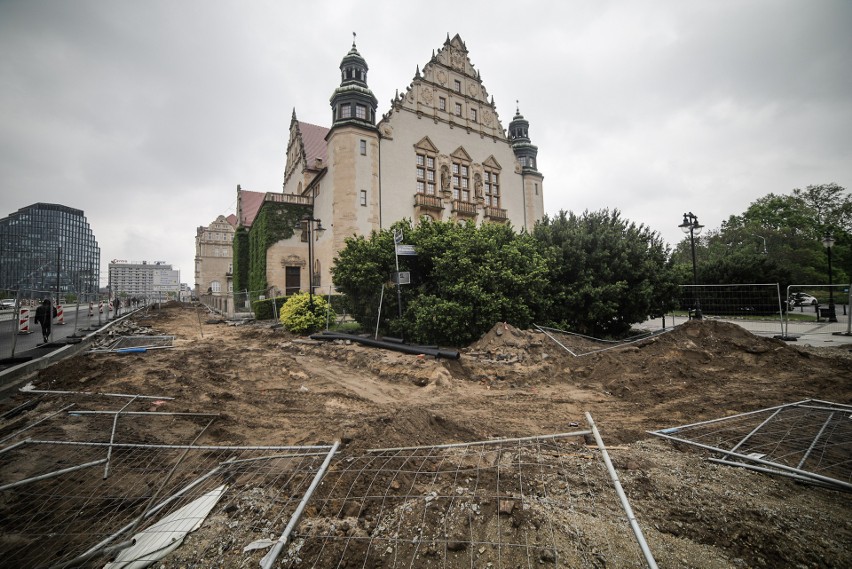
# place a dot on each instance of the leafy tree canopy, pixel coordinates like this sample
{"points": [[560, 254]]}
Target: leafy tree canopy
{"points": [[777, 239], [464, 279], [606, 272]]}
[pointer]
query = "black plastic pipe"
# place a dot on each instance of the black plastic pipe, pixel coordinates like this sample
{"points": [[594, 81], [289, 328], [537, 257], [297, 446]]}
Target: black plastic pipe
{"points": [[396, 346]]}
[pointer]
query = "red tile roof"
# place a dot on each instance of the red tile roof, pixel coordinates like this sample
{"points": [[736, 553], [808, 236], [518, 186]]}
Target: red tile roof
{"points": [[313, 137], [232, 219], [248, 205]]}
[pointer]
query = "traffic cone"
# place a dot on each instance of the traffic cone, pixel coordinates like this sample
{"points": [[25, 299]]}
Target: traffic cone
{"points": [[24, 321], [60, 315]]}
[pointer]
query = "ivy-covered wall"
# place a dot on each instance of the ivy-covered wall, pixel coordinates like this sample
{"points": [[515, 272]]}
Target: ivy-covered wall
{"points": [[241, 259], [274, 222]]}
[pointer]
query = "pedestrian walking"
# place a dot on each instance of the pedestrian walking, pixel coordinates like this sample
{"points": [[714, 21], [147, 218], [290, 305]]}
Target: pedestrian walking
{"points": [[44, 315], [116, 304]]}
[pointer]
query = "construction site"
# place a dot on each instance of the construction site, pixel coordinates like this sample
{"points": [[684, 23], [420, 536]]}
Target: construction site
{"points": [[177, 439]]}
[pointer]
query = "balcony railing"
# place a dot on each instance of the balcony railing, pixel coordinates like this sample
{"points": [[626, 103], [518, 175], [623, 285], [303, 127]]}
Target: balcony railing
{"points": [[288, 198], [428, 201], [496, 213], [464, 208]]}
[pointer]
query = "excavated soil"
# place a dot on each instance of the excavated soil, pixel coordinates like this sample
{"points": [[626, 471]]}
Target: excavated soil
{"points": [[273, 388]]}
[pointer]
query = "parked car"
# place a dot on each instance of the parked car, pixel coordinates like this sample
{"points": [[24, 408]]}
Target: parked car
{"points": [[7, 304], [802, 299]]}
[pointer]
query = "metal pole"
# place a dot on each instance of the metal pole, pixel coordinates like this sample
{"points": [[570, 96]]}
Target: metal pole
{"points": [[112, 436], [488, 442], [832, 317], [52, 474], [310, 265], [269, 559], [814, 442], [379, 317], [637, 531]]}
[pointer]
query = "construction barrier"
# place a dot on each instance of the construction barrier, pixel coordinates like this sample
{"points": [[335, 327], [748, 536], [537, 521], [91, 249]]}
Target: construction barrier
{"points": [[91, 309], [24, 321], [60, 315], [101, 307]]}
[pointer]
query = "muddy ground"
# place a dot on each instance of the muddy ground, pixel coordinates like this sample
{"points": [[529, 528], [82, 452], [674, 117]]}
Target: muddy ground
{"points": [[272, 388]]}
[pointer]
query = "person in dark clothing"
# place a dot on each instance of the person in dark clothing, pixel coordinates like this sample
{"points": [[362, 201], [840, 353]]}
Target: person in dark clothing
{"points": [[44, 315]]}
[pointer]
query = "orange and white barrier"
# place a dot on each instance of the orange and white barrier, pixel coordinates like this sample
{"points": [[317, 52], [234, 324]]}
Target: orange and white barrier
{"points": [[109, 306], [60, 315], [24, 321], [101, 307]]}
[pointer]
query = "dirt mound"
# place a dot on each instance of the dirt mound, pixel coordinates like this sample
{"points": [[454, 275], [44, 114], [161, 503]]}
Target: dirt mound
{"points": [[269, 387]]}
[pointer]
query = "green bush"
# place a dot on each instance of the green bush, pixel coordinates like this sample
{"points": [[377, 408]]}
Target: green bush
{"points": [[265, 309], [297, 316]]}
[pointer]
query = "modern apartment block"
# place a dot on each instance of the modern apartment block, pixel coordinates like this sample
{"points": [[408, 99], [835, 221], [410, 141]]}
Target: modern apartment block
{"points": [[154, 281], [48, 248]]}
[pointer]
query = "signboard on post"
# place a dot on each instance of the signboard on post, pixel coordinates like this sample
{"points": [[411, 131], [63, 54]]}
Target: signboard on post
{"points": [[405, 250], [397, 237], [403, 277]]}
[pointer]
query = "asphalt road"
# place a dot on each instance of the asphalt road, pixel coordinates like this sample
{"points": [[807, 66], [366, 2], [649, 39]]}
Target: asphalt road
{"points": [[77, 324]]}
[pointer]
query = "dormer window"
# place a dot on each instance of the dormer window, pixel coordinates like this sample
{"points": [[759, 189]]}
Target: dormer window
{"points": [[345, 111], [360, 112]]}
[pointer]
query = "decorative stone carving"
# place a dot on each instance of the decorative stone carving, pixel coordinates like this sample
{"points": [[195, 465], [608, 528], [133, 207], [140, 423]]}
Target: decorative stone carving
{"points": [[427, 95], [487, 118], [386, 130], [442, 77], [292, 261], [473, 89], [456, 58]]}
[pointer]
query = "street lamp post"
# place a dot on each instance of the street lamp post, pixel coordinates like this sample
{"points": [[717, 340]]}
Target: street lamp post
{"points": [[828, 243], [307, 225], [690, 225], [765, 251]]}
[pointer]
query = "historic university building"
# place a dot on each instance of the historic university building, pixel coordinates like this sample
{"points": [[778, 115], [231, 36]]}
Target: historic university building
{"points": [[440, 152]]}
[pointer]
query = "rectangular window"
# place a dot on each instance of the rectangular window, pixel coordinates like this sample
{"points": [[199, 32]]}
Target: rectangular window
{"points": [[360, 111], [473, 115], [457, 84], [442, 103], [426, 174], [458, 109], [363, 148], [345, 111], [492, 189], [461, 182], [364, 198]]}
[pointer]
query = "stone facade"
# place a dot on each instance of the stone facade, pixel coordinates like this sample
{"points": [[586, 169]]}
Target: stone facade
{"points": [[440, 151], [214, 253]]}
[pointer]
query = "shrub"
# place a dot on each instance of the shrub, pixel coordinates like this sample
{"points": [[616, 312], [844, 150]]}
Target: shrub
{"points": [[297, 316], [265, 309]]}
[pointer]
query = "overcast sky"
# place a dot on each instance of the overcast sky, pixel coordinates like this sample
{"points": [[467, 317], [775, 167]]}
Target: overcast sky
{"points": [[147, 114]]}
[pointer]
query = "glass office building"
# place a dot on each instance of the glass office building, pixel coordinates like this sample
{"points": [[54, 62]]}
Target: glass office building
{"points": [[48, 248]]}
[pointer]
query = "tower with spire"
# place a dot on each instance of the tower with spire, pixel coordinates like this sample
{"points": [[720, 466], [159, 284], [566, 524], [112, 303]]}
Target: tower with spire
{"points": [[439, 151]]}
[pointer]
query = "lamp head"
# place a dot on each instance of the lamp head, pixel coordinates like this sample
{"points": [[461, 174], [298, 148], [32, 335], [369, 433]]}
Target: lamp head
{"points": [[828, 241], [685, 225]]}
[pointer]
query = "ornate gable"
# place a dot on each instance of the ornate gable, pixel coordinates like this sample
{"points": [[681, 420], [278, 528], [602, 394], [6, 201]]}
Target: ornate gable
{"points": [[296, 161], [449, 89]]}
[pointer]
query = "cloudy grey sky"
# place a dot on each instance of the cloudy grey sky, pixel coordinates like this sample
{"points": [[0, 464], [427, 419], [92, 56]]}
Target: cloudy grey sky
{"points": [[146, 115]]}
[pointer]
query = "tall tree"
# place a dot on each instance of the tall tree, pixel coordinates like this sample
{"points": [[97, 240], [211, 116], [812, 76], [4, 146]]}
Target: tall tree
{"points": [[606, 272]]}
